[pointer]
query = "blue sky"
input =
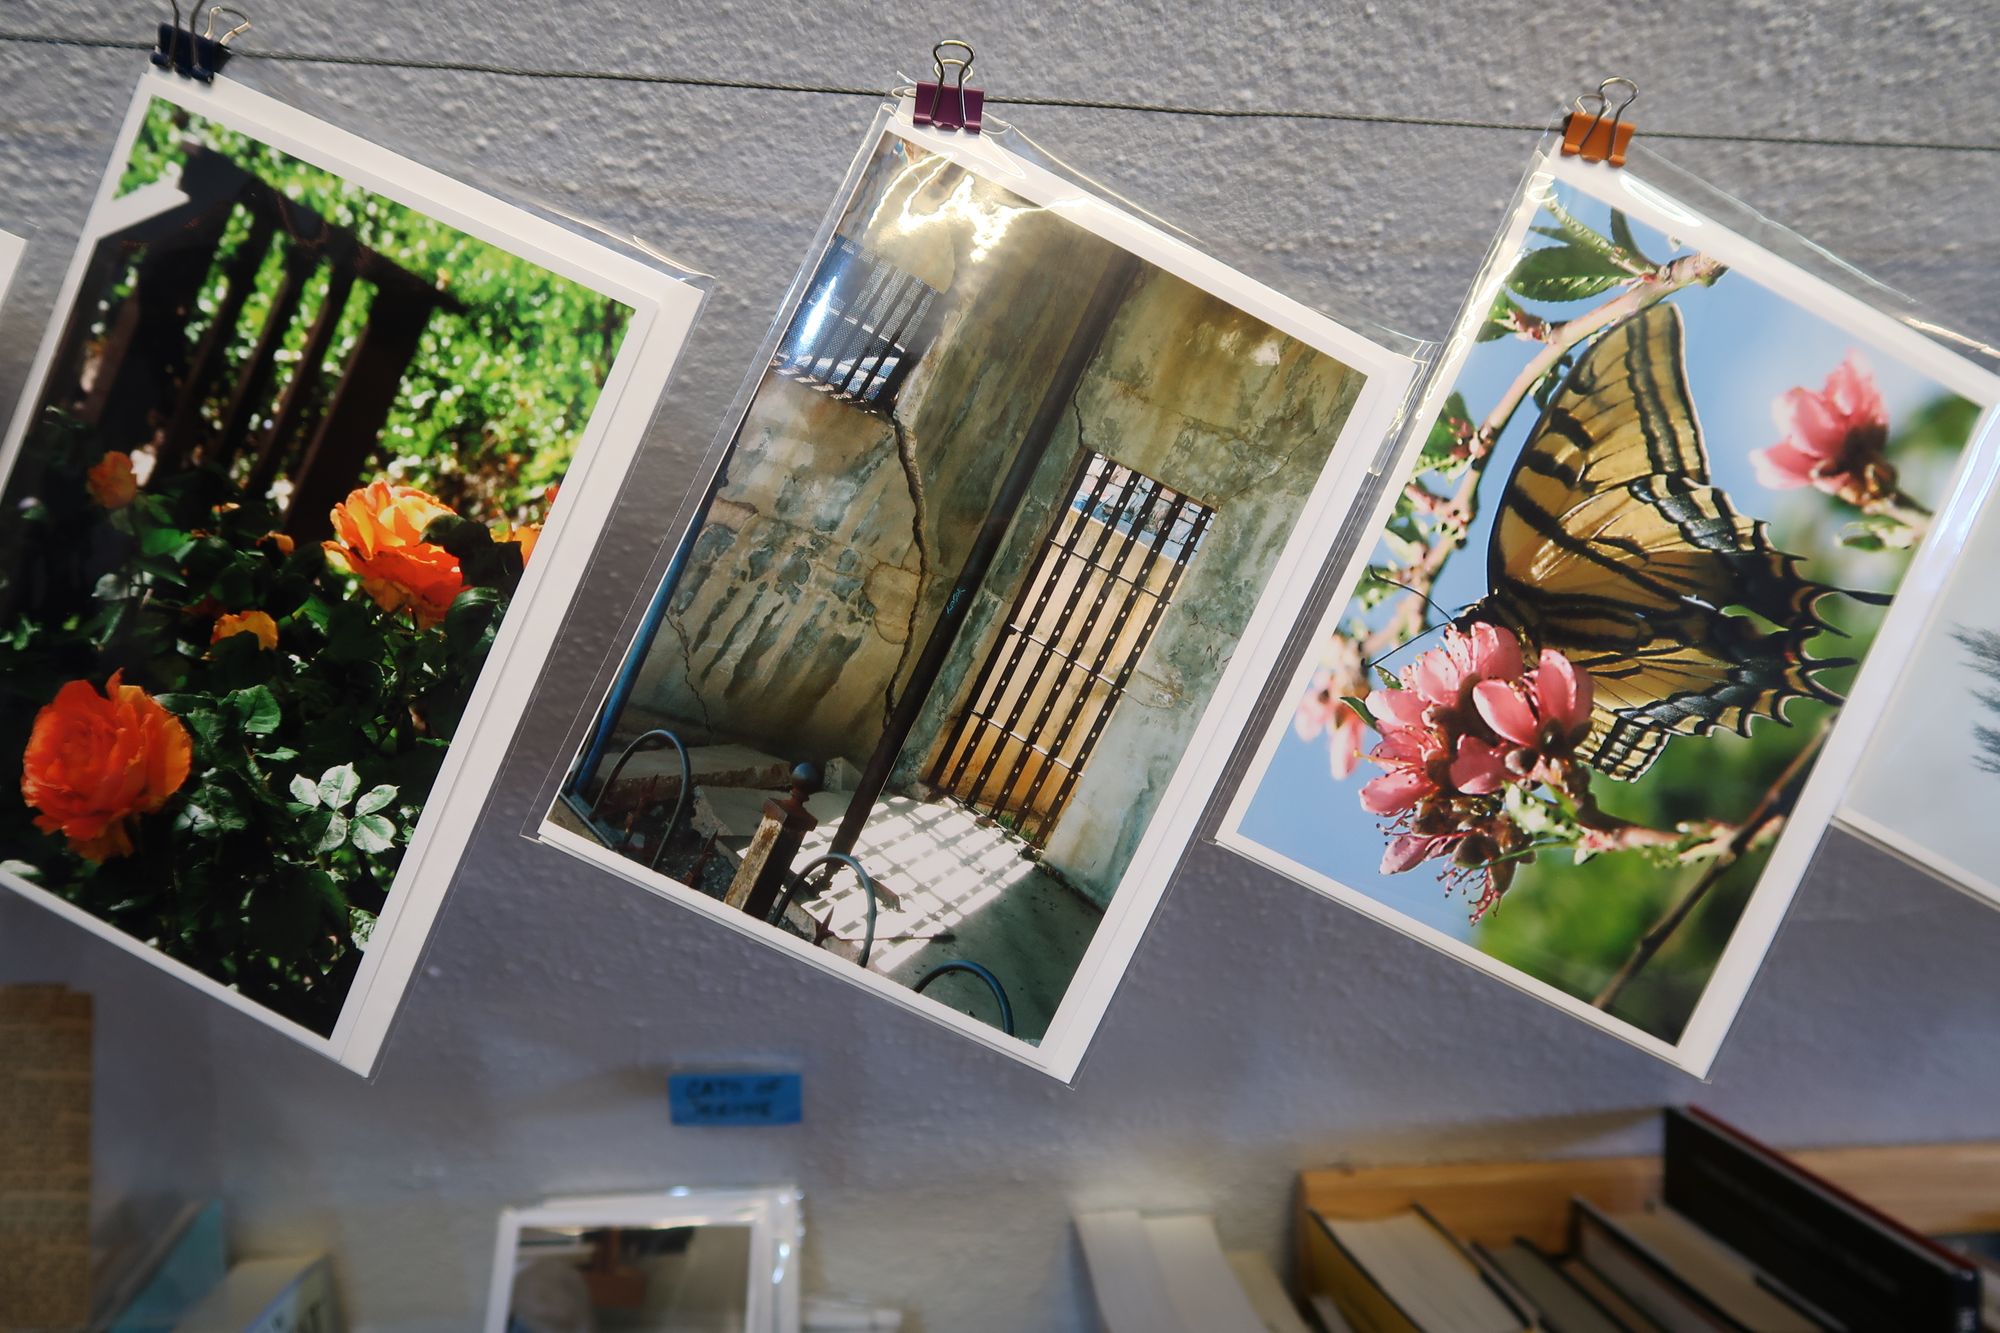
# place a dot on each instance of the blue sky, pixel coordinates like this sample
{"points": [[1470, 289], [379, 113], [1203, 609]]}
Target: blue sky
{"points": [[1745, 346]]}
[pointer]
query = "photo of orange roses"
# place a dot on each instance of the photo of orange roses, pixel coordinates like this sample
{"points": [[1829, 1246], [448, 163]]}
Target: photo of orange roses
{"points": [[281, 480]]}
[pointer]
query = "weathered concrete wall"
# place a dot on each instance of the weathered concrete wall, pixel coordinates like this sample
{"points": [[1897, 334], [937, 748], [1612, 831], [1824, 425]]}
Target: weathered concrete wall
{"points": [[1221, 407], [832, 543]]}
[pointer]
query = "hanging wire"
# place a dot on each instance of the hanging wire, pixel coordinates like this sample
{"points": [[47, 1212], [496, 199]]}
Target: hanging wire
{"points": [[1072, 103]]}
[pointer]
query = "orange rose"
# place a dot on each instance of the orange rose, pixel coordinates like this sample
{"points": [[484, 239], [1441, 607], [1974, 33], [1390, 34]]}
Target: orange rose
{"points": [[95, 760], [248, 622], [380, 539], [523, 535], [112, 483]]}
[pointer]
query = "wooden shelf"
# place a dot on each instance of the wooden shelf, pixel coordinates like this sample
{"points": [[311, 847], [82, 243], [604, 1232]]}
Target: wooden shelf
{"points": [[1935, 1188]]}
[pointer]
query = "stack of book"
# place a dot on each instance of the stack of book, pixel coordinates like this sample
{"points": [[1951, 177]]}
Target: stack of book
{"points": [[1741, 1240]]}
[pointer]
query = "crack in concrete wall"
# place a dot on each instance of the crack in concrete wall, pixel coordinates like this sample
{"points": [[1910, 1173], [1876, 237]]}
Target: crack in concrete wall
{"points": [[919, 535]]}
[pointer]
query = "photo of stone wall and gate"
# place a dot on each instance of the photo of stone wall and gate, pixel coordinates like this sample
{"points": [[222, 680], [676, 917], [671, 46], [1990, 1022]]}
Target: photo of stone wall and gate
{"points": [[990, 528]]}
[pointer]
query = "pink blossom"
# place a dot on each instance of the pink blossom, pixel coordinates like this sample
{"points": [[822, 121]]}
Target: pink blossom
{"points": [[1542, 717], [1834, 439], [1468, 720], [1324, 709], [1432, 740]]}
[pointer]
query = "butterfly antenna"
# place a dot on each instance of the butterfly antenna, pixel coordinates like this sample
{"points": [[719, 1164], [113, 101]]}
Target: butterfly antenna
{"points": [[1418, 592], [1446, 618]]}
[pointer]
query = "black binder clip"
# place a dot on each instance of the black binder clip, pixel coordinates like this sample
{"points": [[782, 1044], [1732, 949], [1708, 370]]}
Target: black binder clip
{"points": [[198, 56], [949, 105], [1596, 130]]}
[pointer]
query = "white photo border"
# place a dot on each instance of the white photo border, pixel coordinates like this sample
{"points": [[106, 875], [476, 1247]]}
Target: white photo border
{"points": [[663, 312], [1388, 376], [1922, 582], [11, 249]]}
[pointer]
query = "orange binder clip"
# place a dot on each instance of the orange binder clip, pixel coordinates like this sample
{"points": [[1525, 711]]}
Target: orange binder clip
{"points": [[1600, 133]]}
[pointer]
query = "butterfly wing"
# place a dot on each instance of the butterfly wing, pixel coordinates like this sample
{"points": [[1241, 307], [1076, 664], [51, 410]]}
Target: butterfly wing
{"points": [[1613, 547]]}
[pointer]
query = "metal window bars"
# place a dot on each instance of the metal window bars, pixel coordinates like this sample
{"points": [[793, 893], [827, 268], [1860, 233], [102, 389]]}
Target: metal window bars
{"points": [[1097, 590], [861, 329]]}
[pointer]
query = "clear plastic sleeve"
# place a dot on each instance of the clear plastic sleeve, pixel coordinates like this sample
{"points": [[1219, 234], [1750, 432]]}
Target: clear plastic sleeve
{"points": [[1539, 725], [973, 376], [337, 429]]}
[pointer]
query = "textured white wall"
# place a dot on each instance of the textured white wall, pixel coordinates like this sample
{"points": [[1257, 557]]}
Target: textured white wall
{"points": [[1261, 1029]]}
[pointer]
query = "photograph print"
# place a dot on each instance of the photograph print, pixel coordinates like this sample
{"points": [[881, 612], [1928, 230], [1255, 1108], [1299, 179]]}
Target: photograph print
{"points": [[1926, 789], [11, 247], [1572, 715], [281, 486], [930, 692]]}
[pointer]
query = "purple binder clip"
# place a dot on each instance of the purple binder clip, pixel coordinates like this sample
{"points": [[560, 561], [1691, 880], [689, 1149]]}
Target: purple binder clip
{"points": [[946, 103]]}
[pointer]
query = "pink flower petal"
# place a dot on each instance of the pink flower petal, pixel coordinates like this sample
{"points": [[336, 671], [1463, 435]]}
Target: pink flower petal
{"points": [[1562, 693], [1816, 427], [1506, 712], [1496, 652], [1435, 678], [1397, 708], [1396, 791], [1346, 747], [1851, 389], [1782, 467], [1408, 849], [1478, 769]]}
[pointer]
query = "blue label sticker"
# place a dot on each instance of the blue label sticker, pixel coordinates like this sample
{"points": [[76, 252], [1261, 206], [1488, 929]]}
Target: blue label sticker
{"points": [[720, 1098]]}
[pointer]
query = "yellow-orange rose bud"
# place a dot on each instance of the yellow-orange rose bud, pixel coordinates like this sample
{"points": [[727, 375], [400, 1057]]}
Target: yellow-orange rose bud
{"points": [[94, 761], [246, 622], [281, 541], [112, 482], [379, 536]]}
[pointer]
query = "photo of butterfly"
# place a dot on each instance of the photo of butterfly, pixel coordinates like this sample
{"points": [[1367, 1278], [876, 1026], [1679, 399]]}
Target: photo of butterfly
{"points": [[1614, 547], [1628, 574]]}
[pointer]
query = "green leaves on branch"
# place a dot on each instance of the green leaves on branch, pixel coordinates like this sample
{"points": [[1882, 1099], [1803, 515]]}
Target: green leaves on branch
{"points": [[1447, 449], [333, 824], [1559, 273], [1583, 263]]}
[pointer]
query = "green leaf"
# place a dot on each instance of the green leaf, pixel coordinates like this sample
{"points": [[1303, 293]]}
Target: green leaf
{"points": [[372, 834], [255, 710], [331, 834], [1360, 707], [210, 811], [1621, 236], [1559, 273], [1441, 447], [337, 786], [374, 799], [304, 789], [161, 541], [1500, 318]]}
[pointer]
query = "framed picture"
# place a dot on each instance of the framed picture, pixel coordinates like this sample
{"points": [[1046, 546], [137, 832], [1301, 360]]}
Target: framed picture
{"points": [[951, 653], [290, 551], [676, 1261], [1934, 759], [1580, 713]]}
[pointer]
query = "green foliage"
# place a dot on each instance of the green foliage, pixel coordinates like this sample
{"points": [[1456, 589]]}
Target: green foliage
{"points": [[1564, 273], [311, 760], [491, 407], [1445, 450]]}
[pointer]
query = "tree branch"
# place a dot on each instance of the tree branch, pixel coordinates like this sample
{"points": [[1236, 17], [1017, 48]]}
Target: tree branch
{"points": [[1775, 804]]}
